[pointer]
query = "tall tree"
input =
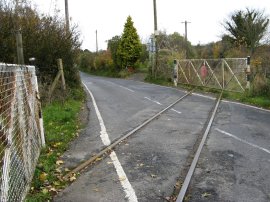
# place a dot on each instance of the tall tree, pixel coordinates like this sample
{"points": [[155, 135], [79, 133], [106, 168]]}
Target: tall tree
{"points": [[130, 46], [247, 28], [113, 45]]}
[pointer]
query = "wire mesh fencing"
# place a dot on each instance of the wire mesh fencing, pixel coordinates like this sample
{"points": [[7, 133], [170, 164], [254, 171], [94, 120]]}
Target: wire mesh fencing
{"points": [[21, 130], [227, 74]]}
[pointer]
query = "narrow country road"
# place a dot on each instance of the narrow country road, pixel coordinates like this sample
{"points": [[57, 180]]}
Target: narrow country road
{"points": [[234, 164]]}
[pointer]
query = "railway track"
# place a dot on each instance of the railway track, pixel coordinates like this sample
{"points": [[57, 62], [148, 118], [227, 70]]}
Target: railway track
{"points": [[187, 175], [121, 139]]}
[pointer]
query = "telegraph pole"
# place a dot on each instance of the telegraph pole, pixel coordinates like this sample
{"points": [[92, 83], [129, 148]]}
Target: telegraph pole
{"points": [[186, 40], [155, 15], [19, 43], [67, 16], [154, 66]]}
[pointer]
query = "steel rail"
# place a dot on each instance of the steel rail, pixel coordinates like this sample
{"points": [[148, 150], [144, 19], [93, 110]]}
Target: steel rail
{"points": [[191, 170]]}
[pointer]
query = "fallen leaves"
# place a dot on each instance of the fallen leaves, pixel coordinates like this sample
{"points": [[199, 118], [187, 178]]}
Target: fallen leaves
{"points": [[206, 194], [98, 159], [177, 185], [96, 189], [56, 183], [122, 178], [67, 170], [45, 191], [43, 176], [170, 198], [58, 170], [57, 144], [72, 178], [140, 165], [59, 162]]}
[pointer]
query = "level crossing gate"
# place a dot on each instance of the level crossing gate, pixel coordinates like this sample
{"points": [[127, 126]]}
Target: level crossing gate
{"points": [[228, 74]]}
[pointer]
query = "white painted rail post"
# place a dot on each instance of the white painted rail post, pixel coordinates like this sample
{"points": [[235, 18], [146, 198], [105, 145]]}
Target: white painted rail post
{"points": [[175, 72], [40, 114], [248, 73]]}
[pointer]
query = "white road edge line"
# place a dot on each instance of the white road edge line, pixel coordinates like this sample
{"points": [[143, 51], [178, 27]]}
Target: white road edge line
{"points": [[128, 189], [243, 141]]}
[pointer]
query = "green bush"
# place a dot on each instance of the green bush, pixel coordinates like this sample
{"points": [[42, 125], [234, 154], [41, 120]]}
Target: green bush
{"points": [[260, 85], [44, 37]]}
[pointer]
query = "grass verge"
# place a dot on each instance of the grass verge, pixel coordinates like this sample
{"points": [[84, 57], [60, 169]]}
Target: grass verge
{"points": [[159, 81], [61, 125]]}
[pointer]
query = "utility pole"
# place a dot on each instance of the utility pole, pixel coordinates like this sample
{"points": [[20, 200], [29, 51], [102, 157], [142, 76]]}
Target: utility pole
{"points": [[96, 42], [155, 15], [19, 43], [186, 40], [67, 16], [154, 66]]}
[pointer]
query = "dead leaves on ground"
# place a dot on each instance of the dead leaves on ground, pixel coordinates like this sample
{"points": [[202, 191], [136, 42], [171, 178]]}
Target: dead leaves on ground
{"points": [[98, 159], [43, 176], [170, 198], [96, 189], [122, 178], [206, 194], [59, 162]]}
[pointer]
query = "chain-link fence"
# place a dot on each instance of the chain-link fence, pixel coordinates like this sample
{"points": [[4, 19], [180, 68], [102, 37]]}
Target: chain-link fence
{"points": [[227, 73], [21, 130]]}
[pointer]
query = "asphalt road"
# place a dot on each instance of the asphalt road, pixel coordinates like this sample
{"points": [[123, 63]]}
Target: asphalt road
{"points": [[234, 165]]}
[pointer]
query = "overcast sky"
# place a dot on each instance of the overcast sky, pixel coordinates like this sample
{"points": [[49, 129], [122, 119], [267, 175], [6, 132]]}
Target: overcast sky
{"points": [[108, 17]]}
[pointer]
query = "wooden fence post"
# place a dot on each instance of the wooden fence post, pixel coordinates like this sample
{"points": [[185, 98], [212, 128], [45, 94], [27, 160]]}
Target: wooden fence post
{"points": [[59, 74], [60, 67]]}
